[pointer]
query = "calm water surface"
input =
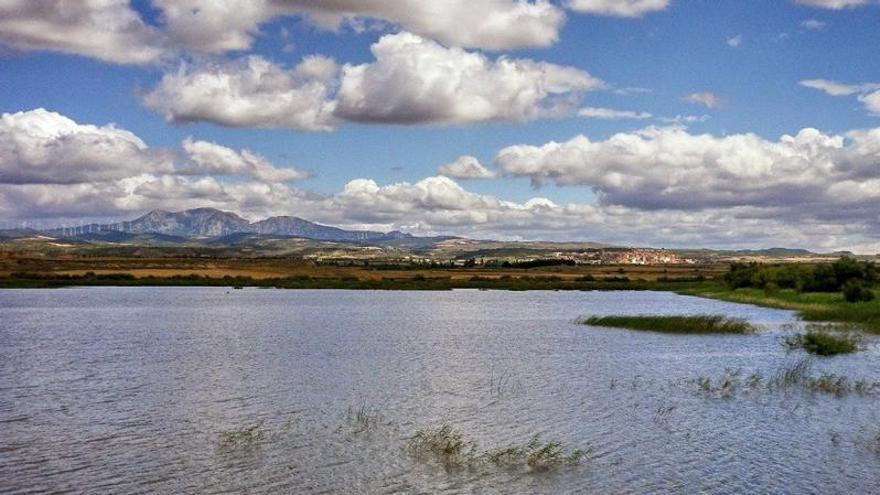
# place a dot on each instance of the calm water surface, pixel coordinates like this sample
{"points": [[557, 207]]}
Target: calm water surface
{"points": [[128, 390]]}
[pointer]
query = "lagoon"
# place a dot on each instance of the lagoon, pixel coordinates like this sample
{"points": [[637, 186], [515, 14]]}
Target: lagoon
{"points": [[125, 390]]}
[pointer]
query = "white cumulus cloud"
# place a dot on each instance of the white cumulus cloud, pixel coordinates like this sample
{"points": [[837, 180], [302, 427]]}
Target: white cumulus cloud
{"points": [[108, 30], [40, 146], [612, 114], [813, 24], [416, 80], [213, 159], [706, 99], [833, 4], [619, 8], [466, 167], [252, 92], [868, 93]]}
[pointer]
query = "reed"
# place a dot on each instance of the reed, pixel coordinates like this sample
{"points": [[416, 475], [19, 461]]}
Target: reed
{"points": [[696, 324]]}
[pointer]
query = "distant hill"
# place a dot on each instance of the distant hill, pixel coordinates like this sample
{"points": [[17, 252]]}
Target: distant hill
{"points": [[298, 227], [199, 222]]}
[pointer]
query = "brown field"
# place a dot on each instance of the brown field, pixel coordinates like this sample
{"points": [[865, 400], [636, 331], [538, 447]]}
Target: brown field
{"points": [[275, 268]]}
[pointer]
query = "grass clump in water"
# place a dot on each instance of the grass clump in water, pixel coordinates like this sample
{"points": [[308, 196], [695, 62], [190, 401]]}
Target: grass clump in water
{"points": [[537, 455], [243, 437], [728, 384], [822, 342], [452, 450], [796, 375], [364, 418], [696, 324], [443, 444]]}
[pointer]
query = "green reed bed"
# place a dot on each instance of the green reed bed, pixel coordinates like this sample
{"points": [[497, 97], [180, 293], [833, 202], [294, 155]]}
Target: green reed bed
{"points": [[825, 342], [694, 324]]}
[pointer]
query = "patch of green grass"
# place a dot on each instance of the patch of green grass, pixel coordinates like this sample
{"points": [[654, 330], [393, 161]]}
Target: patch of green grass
{"points": [[864, 314], [696, 324], [452, 450], [825, 342], [811, 306]]}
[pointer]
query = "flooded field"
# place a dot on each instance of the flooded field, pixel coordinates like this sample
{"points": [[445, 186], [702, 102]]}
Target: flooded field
{"points": [[209, 390]]}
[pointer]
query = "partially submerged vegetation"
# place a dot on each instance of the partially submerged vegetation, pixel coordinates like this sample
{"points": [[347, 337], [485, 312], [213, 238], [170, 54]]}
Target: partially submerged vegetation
{"points": [[825, 340], [797, 375], [453, 451], [243, 437], [364, 417], [694, 324]]}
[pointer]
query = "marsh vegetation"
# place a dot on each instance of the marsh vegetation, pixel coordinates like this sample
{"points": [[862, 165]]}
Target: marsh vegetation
{"points": [[364, 417], [693, 324], [793, 376], [825, 340], [452, 450], [248, 436]]}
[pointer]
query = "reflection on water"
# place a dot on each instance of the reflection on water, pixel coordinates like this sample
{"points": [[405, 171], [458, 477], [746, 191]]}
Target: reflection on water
{"points": [[204, 390]]}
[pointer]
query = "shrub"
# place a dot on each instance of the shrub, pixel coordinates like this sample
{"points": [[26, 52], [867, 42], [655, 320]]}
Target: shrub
{"points": [[855, 291], [823, 277]]}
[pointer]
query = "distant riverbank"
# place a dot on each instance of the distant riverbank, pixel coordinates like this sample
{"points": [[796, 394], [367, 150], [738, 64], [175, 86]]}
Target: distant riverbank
{"points": [[414, 282]]}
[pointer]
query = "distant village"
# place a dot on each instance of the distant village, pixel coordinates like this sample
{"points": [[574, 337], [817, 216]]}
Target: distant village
{"points": [[599, 256], [625, 257]]}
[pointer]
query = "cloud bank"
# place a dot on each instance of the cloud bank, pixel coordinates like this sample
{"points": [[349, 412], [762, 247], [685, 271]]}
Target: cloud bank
{"points": [[412, 80], [112, 31], [43, 147], [655, 185], [670, 168]]}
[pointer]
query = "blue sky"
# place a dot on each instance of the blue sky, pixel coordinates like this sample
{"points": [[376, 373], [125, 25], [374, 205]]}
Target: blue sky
{"points": [[750, 55]]}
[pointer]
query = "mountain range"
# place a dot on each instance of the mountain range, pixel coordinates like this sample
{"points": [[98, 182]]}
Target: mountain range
{"points": [[213, 223], [210, 228]]}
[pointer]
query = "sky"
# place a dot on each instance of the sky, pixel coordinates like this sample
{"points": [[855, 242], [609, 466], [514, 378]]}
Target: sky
{"points": [[669, 123]]}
